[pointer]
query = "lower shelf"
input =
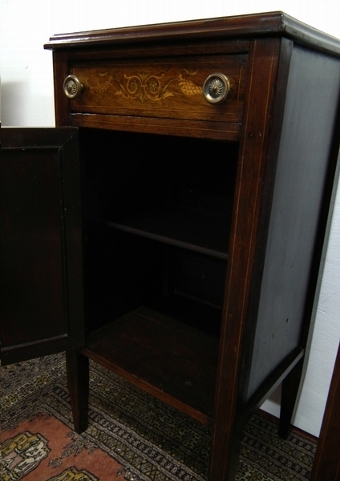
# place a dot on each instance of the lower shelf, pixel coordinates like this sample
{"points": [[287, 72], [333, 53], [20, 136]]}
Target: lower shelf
{"points": [[166, 357]]}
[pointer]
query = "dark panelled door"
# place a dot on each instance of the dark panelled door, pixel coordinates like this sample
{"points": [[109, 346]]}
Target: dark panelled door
{"points": [[41, 295]]}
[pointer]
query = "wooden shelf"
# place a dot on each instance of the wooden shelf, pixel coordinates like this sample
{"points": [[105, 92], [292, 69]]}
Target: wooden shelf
{"points": [[192, 229], [171, 360]]}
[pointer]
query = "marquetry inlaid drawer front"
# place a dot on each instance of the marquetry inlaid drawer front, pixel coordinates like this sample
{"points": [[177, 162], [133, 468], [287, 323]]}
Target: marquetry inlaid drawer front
{"points": [[168, 88]]}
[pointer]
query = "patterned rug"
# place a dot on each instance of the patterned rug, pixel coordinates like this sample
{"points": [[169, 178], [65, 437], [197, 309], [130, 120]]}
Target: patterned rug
{"points": [[131, 435]]}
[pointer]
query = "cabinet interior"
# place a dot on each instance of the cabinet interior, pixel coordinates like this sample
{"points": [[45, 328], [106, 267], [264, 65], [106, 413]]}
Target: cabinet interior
{"points": [[157, 224]]}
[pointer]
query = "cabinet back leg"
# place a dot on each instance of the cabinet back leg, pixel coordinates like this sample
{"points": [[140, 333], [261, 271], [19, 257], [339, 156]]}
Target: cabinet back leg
{"points": [[290, 390], [77, 367]]}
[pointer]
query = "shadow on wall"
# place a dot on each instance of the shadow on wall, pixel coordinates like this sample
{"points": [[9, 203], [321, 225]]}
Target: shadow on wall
{"points": [[12, 100]]}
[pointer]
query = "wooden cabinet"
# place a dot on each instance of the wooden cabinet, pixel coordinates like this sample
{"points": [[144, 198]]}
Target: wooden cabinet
{"points": [[326, 461], [202, 221]]}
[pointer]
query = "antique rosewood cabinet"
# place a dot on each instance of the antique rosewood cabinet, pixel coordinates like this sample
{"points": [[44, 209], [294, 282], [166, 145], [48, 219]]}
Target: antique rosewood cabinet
{"points": [[171, 227]]}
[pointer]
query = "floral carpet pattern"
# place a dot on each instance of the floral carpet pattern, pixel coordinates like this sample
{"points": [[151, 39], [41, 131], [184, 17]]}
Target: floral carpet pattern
{"points": [[131, 435]]}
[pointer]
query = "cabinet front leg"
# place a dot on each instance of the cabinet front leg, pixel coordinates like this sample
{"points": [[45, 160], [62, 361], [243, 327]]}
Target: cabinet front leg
{"points": [[78, 384], [290, 390], [225, 451]]}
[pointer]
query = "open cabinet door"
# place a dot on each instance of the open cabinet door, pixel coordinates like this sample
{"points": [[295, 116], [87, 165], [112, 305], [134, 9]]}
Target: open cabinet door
{"points": [[41, 294]]}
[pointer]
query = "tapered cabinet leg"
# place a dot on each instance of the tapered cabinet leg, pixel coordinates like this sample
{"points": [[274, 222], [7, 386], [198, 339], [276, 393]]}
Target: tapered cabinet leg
{"points": [[290, 390], [78, 385], [226, 447]]}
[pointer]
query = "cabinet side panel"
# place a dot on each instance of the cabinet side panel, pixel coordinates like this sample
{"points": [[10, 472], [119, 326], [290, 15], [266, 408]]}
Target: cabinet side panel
{"points": [[301, 179]]}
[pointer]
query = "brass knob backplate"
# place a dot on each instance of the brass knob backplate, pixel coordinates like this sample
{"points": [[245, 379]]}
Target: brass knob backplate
{"points": [[216, 88], [72, 87]]}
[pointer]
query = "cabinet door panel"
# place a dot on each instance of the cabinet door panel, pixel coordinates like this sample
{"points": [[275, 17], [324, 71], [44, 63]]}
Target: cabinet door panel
{"points": [[40, 243]]}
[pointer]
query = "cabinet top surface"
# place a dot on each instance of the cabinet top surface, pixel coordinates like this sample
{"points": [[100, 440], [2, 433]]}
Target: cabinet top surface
{"points": [[235, 27]]}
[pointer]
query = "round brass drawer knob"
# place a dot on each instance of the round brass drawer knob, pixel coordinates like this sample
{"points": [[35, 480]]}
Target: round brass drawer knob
{"points": [[72, 87], [216, 88]]}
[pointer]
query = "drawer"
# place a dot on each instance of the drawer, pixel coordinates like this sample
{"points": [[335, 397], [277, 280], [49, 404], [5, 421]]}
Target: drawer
{"points": [[165, 88]]}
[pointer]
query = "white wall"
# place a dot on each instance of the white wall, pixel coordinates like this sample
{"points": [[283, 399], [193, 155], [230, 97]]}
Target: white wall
{"points": [[27, 100]]}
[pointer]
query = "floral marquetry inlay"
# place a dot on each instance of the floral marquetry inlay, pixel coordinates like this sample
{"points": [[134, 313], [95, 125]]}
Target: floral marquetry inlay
{"points": [[157, 88], [147, 86]]}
